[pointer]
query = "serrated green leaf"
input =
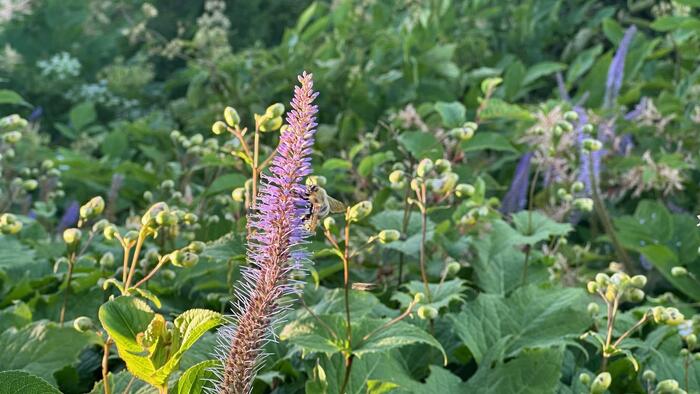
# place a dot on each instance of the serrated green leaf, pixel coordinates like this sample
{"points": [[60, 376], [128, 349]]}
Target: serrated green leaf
{"points": [[499, 109], [197, 378], [530, 317], [487, 140], [11, 97], [536, 226], [21, 382], [542, 69], [124, 383], [421, 145], [453, 114]]}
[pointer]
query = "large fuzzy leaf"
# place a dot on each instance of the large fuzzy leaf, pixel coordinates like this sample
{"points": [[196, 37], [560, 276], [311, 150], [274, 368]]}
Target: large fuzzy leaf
{"points": [[21, 382]]}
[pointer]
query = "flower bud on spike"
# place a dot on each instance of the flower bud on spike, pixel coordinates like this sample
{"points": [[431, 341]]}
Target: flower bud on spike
{"points": [[426, 312], [638, 281], [388, 236], [83, 324], [218, 127], [649, 375], [424, 167], [231, 117], [360, 211], [601, 383], [71, 236]]}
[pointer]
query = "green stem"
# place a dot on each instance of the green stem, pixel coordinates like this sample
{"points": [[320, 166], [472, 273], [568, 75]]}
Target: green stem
{"points": [[424, 226], [69, 277], [348, 368]]}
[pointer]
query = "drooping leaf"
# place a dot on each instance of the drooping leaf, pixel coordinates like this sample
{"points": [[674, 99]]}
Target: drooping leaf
{"points": [[12, 97], [197, 378]]}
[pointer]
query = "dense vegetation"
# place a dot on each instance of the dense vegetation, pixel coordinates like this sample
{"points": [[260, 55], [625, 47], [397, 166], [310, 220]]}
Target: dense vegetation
{"points": [[521, 181]]}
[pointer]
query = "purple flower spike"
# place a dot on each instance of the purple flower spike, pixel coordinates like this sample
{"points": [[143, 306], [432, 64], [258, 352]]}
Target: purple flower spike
{"points": [[273, 251], [616, 72], [516, 198], [70, 217]]}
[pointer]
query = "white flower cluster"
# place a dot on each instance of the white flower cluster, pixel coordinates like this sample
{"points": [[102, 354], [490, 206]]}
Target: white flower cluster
{"points": [[99, 93], [60, 66], [9, 9]]}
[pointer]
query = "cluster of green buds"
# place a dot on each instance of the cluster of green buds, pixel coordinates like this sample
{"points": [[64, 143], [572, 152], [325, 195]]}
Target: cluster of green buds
{"points": [[583, 204], [436, 176], [271, 120], [475, 205], [9, 224], [188, 256], [161, 216], [424, 312], [197, 146], [11, 128], [91, 209], [667, 315], [597, 385], [464, 133], [619, 286], [591, 145]]}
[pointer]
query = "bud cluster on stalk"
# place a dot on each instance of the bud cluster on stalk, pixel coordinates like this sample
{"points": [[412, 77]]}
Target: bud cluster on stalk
{"points": [[619, 286]]}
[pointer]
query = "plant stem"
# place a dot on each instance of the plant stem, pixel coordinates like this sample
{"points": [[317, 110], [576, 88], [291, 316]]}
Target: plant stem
{"points": [[135, 258], [150, 274], [424, 226], [69, 276], [105, 365], [605, 219], [348, 368], [256, 154], [346, 282], [530, 206], [404, 229]]}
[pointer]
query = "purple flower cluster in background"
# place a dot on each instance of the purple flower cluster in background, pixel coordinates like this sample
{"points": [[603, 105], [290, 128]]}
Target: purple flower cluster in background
{"points": [[516, 197], [70, 217], [273, 251]]}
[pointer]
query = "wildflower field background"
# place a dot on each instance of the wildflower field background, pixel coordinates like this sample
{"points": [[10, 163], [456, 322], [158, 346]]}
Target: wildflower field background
{"points": [[512, 196]]}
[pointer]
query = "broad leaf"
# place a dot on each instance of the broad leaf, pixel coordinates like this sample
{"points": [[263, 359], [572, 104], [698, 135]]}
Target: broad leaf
{"points": [[21, 382], [197, 378], [11, 97], [453, 114], [421, 145], [536, 226]]}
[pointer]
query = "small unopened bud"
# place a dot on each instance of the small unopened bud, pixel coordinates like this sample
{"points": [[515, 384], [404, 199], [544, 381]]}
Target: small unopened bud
{"points": [[592, 145], [424, 167], [634, 295], [238, 194], [12, 137], [448, 183], [601, 383], [426, 312], [83, 324], [565, 126], [92, 208], [592, 287], [329, 223], [679, 271], [110, 231], [442, 166], [587, 128], [649, 375], [149, 218], [577, 187], [168, 274], [585, 379], [107, 260], [638, 281], [9, 224], [196, 247], [571, 116], [602, 279], [184, 259], [71, 236], [418, 298], [691, 340], [218, 127], [397, 176], [453, 268], [360, 211], [388, 236], [166, 218], [190, 218], [30, 185], [271, 124], [231, 117], [667, 386], [464, 190], [674, 317], [583, 204], [593, 309], [275, 110]]}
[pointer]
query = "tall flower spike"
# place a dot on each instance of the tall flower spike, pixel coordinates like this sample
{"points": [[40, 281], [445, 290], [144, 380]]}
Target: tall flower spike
{"points": [[616, 72], [516, 197], [273, 249]]}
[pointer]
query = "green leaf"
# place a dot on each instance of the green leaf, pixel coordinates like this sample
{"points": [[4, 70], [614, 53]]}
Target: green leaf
{"points": [[453, 114], [17, 315], [542, 69], [225, 184], [530, 317], [124, 383], [82, 115], [499, 109], [534, 371], [582, 63], [392, 219], [439, 381], [669, 23], [42, 348], [21, 382], [488, 140], [394, 336], [369, 163], [11, 97], [421, 145], [442, 294], [499, 264], [197, 378], [127, 319], [664, 259], [536, 226]]}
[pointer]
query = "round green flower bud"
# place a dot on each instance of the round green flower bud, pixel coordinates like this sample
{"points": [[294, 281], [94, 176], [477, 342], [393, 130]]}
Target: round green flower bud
{"points": [[649, 375], [577, 187], [587, 128], [190, 218], [424, 167], [131, 236], [92, 208], [83, 324], [639, 281], [426, 312], [602, 279], [592, 145], [620, 279], [453, 268], [107, 260], [571, 116], [592, 287], [601, 383], [238, 194], [275, 110], [667, 386], [9, 224], [585, 379], [464, 190], [691, 340], [185, 259], [679, 271], [634, 295], [397, 176], [388, 236], [360, 211], [418, 298], [674, 317], [329, 223], [398, 185], [71, 236], [271, 124], [442, 166], [110, 231], [166, 218], [448, 183], [196, 247], [12, 137], [197, 139], [593, 309], [30, 185], [149, 218], [231, 117], [218, 127], [565, 126], [168, 274]]}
